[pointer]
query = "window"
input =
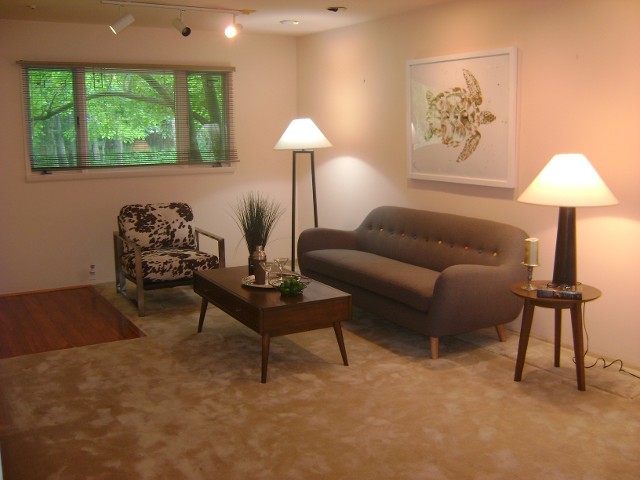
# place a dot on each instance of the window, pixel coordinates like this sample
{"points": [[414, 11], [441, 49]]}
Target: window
{"points": [[97, 116]]}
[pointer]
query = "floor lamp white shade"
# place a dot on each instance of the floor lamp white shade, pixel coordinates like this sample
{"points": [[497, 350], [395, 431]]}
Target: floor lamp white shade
{"points": [[302, 136], [567, 181]]}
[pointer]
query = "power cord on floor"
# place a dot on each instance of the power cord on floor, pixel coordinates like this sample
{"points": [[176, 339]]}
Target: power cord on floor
{"points": [[604, 361]]}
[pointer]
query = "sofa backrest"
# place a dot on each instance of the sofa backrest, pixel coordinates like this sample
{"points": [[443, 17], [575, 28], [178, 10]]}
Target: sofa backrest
{"points": [[439, 240], [158, 225]]}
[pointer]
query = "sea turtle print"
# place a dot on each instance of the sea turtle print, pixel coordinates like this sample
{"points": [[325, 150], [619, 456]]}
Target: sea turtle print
{"points": [[454, 116]]}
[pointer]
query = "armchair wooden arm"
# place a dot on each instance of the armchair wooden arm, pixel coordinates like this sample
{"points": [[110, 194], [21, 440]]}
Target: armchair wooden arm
{"points": [[218, 239], [121, 283]]}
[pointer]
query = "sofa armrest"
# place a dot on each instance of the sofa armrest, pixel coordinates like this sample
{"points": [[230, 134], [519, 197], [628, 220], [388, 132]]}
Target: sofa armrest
{"points": [[326, 238], [469, 297]]}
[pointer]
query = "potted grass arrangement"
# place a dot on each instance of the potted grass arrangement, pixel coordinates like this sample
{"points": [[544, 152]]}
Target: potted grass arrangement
{"points": [[256, 215]]}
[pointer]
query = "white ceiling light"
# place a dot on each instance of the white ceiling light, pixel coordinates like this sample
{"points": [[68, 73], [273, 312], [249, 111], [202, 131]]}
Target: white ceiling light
{"points": [[232, 29]]}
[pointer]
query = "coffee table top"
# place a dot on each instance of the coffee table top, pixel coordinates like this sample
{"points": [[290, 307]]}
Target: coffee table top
{"points": [[230, 280]]}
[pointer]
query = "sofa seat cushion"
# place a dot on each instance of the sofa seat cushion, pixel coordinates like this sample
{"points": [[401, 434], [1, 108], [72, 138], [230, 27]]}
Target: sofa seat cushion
{"points": [[169, 264], [402, 282]]}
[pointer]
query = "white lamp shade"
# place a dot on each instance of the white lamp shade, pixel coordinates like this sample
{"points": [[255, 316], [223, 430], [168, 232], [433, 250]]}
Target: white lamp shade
{"points": [[302, 134], [568, 180], [121, 24]]}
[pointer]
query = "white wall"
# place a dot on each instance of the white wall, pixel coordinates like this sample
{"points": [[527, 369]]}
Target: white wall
{"points": [[579, 72], [52, 232]]}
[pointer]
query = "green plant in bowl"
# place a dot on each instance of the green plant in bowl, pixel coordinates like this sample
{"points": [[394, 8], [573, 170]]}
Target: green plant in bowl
{"points": [[290, 285]]}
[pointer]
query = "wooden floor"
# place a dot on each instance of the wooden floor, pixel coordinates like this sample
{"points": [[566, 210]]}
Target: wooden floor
{"points": [[58, 319]]}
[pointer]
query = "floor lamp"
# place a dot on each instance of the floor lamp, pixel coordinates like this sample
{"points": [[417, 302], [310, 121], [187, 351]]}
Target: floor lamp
{"points": [[301, 136], [568, 181]]}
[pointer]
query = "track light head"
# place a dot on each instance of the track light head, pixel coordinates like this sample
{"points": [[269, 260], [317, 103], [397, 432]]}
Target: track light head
{"points": [[122, 23], [233, 29], [181, 27]]}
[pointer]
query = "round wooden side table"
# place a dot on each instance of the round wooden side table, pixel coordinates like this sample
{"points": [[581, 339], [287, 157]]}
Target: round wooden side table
{"points": [[531, 300]]}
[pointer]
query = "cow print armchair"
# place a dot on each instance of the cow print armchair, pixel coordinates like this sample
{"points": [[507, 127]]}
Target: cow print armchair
{"points": [[158, 246]]}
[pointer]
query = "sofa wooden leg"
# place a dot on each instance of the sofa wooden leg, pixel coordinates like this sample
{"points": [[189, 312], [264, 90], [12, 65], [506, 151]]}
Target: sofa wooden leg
{"points": [[502, 332], [435, 343]]}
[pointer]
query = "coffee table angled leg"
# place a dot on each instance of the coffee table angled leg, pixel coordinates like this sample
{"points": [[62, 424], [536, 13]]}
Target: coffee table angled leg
{"points": [[337, 327], [266, 341], [203, 311]]}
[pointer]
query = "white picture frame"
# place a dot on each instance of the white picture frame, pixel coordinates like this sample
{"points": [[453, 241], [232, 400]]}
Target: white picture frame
{"points": [[461, 121]]}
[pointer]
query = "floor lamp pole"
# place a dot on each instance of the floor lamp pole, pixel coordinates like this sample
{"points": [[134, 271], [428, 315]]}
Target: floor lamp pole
{"points": [[313, 189], [293, 203], [293, 216]]}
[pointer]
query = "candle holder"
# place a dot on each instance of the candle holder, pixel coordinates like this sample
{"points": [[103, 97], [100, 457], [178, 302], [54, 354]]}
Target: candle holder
{"points": [[529, 286]]}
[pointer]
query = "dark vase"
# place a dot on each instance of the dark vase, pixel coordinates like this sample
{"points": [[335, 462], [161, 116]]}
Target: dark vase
{"points": [[258, 257]]}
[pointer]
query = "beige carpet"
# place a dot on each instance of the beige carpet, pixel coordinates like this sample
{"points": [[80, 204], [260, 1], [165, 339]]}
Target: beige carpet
{"points": [[182, 405]]}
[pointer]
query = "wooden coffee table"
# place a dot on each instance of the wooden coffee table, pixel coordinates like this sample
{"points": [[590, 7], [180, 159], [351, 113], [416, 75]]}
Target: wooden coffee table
{"points": [[270, 314]]}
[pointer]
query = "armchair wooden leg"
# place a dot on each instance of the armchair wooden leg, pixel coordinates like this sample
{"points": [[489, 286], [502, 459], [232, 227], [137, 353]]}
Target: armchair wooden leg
{"points": [[139, 282], [140, 296], [119, 288], [435, 344], [502, 332], [121, 281]]}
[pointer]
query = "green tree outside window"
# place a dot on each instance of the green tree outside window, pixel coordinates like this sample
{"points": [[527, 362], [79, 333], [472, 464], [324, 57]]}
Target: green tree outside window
{"points": [[100, 117]]}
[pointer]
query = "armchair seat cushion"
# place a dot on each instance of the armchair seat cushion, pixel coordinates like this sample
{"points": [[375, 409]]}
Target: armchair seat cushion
{"points": [[169, 264], [403, 282]]}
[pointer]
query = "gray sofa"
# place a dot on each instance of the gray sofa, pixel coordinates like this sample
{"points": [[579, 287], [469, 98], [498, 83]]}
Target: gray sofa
{"points": [[435, 273]]}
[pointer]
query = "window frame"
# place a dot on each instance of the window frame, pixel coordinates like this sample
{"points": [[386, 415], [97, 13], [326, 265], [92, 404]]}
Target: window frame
{"points": [[182, 165]]}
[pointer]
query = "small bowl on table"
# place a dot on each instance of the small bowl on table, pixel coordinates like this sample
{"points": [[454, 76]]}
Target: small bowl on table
{"points": [[290, 284]]}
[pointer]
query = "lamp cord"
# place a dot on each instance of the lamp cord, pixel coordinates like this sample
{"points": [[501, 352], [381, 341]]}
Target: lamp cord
{"points": [[604, 361]]}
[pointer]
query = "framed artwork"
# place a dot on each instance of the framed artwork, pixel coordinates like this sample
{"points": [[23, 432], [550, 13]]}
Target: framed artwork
{"points": [[462, 118]]}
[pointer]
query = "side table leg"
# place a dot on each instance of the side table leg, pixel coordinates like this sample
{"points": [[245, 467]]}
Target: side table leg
{"points": [[525, 330], [578, 346], [557, 337], [266, 341], [203, 311], [343, 351]]}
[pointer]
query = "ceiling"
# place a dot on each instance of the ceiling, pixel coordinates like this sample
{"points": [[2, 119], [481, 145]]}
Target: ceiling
{"points": [[313, 15]]}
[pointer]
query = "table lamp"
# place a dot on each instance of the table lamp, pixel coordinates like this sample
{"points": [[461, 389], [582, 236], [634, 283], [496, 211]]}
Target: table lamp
{"points": [[567, 181], [301, 136]]}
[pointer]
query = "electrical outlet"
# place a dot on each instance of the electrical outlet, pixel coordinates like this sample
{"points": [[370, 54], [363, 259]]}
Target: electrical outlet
{"points": [[92, 273]]}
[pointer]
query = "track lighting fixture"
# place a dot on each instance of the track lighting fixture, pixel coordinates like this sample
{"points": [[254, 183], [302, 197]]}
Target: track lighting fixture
{"points": [[122, 23], [181, 27], [232, 29]]}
